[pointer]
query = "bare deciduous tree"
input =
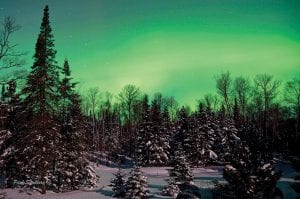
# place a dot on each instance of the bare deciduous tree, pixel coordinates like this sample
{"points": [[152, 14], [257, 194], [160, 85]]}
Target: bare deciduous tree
{"points": [[242, 91], [267, 88], [223, 88], [9, 57], [173, 107], [93, 99], [292, 96], [129, 97]]}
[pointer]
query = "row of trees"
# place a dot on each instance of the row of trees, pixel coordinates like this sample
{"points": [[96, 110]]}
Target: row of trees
{"points": [[260, 101], [249, 171]]}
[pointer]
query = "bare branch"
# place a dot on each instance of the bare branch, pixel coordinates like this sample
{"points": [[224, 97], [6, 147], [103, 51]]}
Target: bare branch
{"points": [[8, 56]]}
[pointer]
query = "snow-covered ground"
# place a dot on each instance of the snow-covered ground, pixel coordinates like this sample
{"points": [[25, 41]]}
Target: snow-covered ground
{"points": [[156, 180]]}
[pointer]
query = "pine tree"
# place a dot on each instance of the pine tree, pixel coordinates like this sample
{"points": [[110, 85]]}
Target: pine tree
{"points": [[201, 139], [41, 90], [201, 108], [181, 171], [171, 189], [67, 91], [181, 131], [226, 140], [144, 133], [137, 187], [250, 174], [73, 169], [236, 113], [113, 141], [48, 142], [8, 138], [153, 143], [119, 185], [158, 142], [41, 139], [222, 113]]}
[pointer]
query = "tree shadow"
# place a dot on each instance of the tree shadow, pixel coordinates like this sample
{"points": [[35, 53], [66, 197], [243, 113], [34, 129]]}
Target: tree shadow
{"points": [[104, 192]]}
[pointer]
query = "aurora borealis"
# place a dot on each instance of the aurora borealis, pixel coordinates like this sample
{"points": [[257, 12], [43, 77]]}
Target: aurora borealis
{"points": [[172, 46]]}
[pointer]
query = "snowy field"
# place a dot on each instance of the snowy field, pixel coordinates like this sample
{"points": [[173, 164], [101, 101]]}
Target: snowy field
{"points": [[156, 180]]}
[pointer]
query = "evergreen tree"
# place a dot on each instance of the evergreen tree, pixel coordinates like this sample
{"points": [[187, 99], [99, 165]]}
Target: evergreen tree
{"points": [[158, 142], [181, 171], [41, 140], [144, 134], [113, 141], [73, 169], [201, 139], [227, 140], [153, 142], [48, 143], [137, 187], [67, 92], [8, 138], [236, 113], [222, 113], [201, 108], [181, 131], [119, 185], [249, 174], [41, 90], [171, 189]]}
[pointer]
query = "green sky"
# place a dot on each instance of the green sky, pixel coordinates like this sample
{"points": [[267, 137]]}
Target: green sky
{"points": [[172, 46]]}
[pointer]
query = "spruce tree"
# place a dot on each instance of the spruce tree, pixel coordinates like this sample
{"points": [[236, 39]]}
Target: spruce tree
{"points": [[73, 169], [201, 139], [181, 132], [158, 142], [41, 90], [171, 189], [137, 187], [41, 139], [144, 133], [8, 133], [181, 171], [236, 114], [112, 141], [47, 148], [152, 142], [249, 173], [118, 184]]}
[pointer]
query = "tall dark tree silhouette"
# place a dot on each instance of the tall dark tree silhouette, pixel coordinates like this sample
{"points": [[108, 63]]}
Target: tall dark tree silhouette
{"points": [[42, 82], [41, 138], [67, 92], [73, 169]]}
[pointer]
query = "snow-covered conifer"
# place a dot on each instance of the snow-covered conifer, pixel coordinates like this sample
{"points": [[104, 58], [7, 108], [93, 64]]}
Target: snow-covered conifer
{"points": [[118, 184], [249, 174], [171, 189], [181, 171], [136, 186]]}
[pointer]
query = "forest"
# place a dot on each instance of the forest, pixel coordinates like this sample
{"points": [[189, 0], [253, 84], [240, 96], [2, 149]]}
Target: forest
{"points": [[49, 130]]}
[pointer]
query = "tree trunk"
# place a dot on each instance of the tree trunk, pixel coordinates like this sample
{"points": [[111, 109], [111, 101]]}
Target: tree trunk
{"points": [[44, 186]]}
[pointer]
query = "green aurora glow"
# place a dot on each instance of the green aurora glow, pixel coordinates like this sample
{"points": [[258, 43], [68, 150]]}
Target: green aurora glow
{"points": [[172, 46]]}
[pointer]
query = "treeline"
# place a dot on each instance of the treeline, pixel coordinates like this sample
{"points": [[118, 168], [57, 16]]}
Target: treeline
{"points": [[271, 105]]}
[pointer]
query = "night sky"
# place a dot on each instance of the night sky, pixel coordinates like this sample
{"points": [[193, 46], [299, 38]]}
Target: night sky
{"points": [[172, 46]]}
